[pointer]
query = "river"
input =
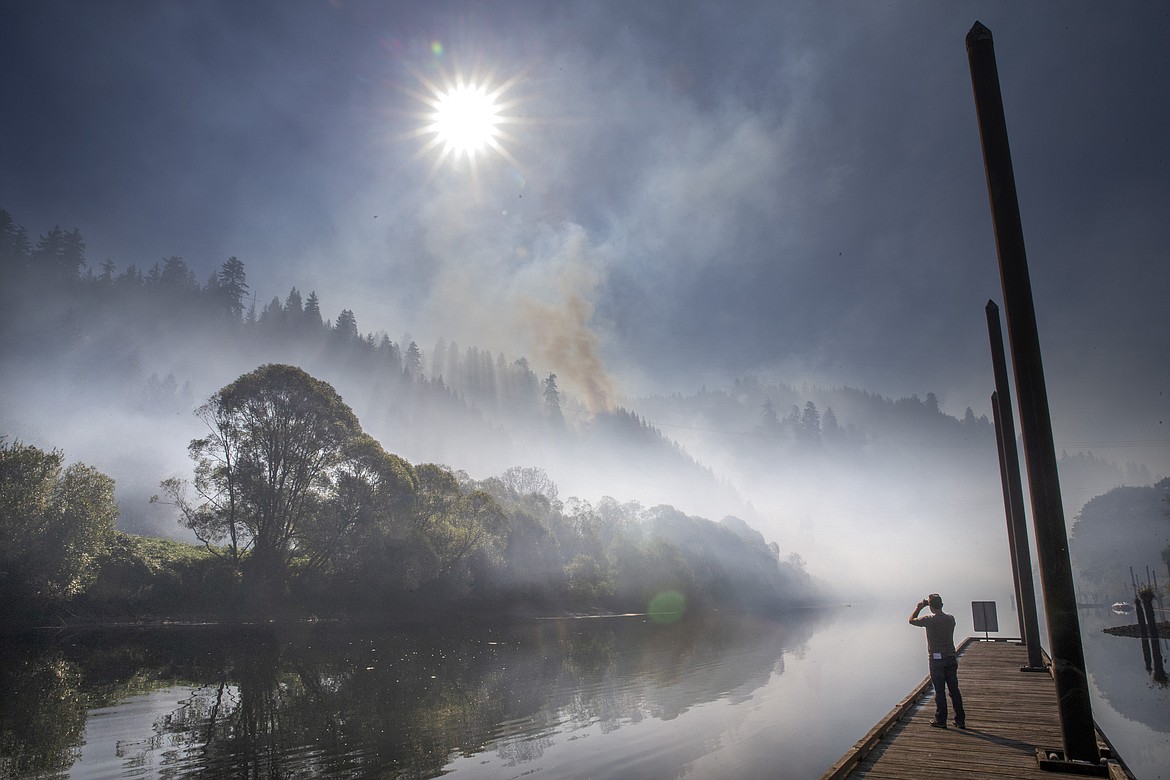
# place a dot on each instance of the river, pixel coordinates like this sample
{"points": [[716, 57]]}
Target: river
{"points": [[710, 696]]}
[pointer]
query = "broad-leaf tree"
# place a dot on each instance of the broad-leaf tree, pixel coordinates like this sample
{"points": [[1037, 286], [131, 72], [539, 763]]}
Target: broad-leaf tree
{"points": [[454, 523], [372, 493], [55, 523], [265, 472]]}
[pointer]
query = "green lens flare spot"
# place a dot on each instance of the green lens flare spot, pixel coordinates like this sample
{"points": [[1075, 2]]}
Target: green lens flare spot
{"points": [[667, 606]]}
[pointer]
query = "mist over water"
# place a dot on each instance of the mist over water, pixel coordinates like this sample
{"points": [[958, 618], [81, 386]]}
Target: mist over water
{"points": [[875, 495]]}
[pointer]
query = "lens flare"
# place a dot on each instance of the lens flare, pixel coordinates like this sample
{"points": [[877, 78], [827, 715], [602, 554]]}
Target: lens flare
{"points": [[667, 607]]}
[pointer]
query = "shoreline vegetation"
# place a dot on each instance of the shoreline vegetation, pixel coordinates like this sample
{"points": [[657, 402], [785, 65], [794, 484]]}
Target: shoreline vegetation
{"points": [[301, 515], [393, 619]]}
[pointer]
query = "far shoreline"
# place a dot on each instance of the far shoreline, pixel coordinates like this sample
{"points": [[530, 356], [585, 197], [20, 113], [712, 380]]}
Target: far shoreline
{"points": [[1135, 630]]}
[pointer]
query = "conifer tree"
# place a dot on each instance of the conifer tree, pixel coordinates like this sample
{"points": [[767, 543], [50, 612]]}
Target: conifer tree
{"points": [[232, 287], [412, 362], [313, 310], [552, 399]]}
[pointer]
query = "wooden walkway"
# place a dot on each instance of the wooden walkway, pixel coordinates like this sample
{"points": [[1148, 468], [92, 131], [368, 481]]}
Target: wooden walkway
{"points": [[1009, 715]]}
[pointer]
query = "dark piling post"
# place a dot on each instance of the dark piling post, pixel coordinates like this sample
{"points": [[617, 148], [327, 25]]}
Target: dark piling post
{"points": [[1007, 507], [1141, 618], [1146, 604], [1014, 491], [1146, 597], [1064, 626]]}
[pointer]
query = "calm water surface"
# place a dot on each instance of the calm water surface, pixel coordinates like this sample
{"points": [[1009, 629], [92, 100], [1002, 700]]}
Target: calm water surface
{"points": [[713, 696]]}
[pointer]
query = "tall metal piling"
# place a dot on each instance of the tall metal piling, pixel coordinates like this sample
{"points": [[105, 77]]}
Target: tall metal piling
{"points": [[1064, 630], [1013, 492], [1007, 507]]}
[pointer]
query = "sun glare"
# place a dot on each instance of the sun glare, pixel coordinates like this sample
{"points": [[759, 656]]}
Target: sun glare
{"points": [[464, 119]]}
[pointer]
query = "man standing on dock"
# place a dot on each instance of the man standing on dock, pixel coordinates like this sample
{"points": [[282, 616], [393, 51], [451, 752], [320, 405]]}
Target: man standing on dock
{"points": [[944, 661]]}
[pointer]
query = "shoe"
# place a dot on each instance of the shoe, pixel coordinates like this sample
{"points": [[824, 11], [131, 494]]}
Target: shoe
{"points": [[938, 724], [960, 724]]}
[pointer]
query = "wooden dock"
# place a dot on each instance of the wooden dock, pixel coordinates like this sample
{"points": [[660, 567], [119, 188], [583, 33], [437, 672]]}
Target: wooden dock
{"points": [[1011, 715]]}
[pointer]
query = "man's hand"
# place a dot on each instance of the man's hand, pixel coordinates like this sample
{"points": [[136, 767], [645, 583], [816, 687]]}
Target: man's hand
{"points": [[921, 605]]}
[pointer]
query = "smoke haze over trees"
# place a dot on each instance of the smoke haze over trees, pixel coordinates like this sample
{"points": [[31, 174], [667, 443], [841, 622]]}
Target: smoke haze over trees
{"points": [[109, 361]]}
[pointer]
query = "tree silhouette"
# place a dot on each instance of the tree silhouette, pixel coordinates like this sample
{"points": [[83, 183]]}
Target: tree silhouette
{"points": [[14, 248], [552, 399], [346, 327], [60, 256], [55, 522], [275, 437], [232, 287]]}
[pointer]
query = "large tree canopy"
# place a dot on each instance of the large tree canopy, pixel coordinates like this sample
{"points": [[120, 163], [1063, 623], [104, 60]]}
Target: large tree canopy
{"points": [[267, 470]]}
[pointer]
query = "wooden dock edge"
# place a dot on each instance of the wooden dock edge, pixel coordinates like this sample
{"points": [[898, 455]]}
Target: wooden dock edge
{"points": [[843, 766], [862, 748]]}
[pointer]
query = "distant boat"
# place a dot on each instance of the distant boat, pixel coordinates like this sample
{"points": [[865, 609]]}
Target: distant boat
{"points": [[1122, 607]]}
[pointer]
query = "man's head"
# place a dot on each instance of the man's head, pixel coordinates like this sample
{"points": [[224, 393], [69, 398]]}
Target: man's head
{"points": [[935, 602]]}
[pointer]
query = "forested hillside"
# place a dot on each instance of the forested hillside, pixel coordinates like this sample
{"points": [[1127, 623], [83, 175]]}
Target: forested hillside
{"points": [[108, 360], [146, 346]]}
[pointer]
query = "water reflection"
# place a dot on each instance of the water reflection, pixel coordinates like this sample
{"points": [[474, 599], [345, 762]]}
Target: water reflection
{"points": [[274, 701], [1131, 700]]}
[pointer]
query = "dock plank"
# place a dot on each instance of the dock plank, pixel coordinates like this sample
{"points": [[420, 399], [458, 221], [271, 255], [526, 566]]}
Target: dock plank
{"points": [[1010, 714]]}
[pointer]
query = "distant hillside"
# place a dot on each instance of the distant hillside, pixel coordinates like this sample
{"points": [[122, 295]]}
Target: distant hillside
{"points": [[1126, 528], [108, 361]]}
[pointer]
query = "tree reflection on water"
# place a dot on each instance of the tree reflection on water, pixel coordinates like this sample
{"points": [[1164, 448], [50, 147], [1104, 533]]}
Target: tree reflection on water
{"points": [[337, 700]]}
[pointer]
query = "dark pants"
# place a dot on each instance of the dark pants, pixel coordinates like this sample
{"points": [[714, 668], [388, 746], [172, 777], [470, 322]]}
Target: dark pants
{"points": [[944, 673]]}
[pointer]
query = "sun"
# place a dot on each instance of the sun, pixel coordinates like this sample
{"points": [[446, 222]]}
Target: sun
{"points": [[464, 118]]}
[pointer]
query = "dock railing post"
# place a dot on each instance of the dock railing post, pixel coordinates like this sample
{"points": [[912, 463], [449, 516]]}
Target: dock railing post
{"points": [[1064, 628], [1013, 490]]}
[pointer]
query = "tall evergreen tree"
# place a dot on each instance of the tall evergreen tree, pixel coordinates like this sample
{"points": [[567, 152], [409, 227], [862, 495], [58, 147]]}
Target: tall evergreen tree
{"points": [[412, 361], [232, 287], [313, 311], [293, 306], [389, 354], [810, 423], [14, 246], [175, 275], [526, 382], [932, 403], [273, 315], [346, 327], [60, 255], [552, 399], [131, 277], [830, 428]]}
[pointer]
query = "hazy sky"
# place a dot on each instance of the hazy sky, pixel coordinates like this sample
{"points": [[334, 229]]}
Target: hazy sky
{"points": [[696, 190]]}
